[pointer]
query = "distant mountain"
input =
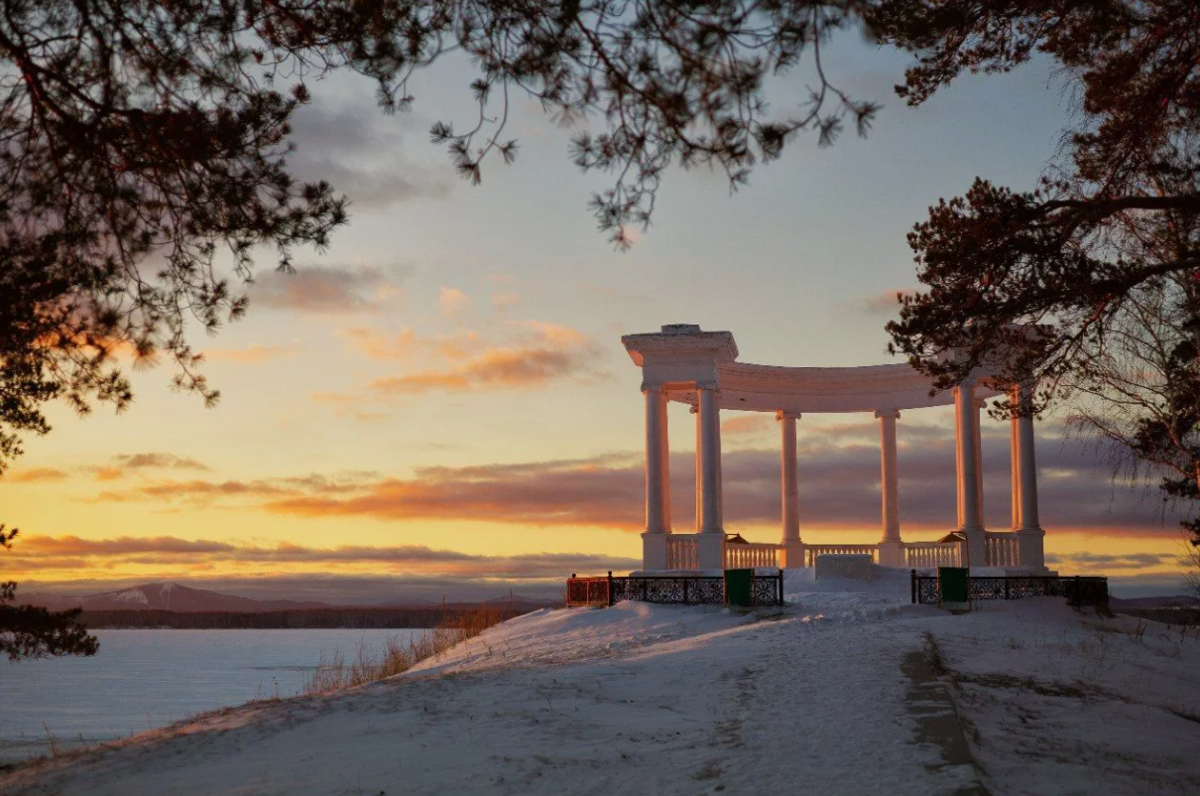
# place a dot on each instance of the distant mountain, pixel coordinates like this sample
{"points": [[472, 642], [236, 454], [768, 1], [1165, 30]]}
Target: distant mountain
{"points": [[163, 597]]}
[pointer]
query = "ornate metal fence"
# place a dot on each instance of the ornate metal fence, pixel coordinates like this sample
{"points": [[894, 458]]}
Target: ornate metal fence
{"points": [[589, 591], [1078, 590], [668, 590]]}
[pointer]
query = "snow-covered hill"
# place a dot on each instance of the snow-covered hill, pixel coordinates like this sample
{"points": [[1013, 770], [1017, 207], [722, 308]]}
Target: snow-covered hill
{"points": [[848, 690]]}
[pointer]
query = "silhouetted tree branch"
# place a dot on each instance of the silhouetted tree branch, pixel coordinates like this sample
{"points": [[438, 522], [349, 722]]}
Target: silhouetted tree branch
{"points": [[1111, 231], [144, 144], [27, 631]]}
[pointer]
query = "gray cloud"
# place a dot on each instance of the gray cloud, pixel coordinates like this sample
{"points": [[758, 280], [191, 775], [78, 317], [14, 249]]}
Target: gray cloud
{"points": [[358, 150], [158, 460], [416, 571], [838, 473], [330, 289], [884, 303]]}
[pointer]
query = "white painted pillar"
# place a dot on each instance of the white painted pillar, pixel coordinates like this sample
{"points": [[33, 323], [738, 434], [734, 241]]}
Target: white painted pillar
{"points": [[971, 522], [695, 410], [710, 544], [1031, 537], [978, 416], [888, 477], [1015, 466], [958, 467], [716, 421], [891, 549], [789, 480], [665, 450], [791, 548], [657, 474], [658, 516], [710, 461]]}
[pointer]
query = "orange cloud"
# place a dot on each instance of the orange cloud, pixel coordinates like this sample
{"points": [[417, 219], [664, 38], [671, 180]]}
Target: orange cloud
{"points": [[405, 344], [548, 352], [41, 553], [747, 423], [502, 300], [251, 355], [37, 474], [108, 473], [452, 301], [838, 478]]}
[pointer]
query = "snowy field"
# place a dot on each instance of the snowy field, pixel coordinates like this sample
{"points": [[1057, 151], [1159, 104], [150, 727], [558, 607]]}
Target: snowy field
{"points": [[847, 690]]}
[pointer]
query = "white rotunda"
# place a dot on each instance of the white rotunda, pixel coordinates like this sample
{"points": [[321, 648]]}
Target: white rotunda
{"points": [[685, 364]]}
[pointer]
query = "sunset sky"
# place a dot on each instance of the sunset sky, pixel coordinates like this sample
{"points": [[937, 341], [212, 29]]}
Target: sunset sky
{"points": [[440, 403]]}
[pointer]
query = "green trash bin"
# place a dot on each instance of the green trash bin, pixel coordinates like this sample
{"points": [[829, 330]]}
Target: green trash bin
{"points": [[953, 590], [739, 587]]}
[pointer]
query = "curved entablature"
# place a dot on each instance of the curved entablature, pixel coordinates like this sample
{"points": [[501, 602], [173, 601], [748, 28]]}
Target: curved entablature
{"points": [[767, 388], [682, 358]]}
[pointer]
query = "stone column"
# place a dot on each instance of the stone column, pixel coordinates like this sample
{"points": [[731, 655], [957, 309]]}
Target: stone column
{"points": [[695, 410], [1015, 462], [710, 455], [658, 513], [958, 467], [971, 522], [1030, 536], [891, 548], [710, 549], [978, 416], [792, 548]]}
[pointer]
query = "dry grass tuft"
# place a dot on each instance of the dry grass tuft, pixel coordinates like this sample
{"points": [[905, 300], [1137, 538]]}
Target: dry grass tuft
{"points": [[334, 673]]}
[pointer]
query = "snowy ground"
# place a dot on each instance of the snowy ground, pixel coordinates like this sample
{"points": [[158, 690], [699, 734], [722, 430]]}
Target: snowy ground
{"points": [[848, 690]]}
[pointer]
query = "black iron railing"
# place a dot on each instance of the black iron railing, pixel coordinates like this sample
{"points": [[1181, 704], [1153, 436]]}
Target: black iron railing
{"points": [[1078, 590], [668, 590]]}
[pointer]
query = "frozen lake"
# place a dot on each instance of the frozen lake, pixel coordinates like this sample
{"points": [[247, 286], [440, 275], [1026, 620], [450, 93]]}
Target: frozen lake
{"points": [[142, 679]]}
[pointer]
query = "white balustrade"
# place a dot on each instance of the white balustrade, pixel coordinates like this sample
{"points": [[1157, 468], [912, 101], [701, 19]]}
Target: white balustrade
{"points": [[682, 551], [924, 555], [813, 550], [751, 556], [1001, 550]]}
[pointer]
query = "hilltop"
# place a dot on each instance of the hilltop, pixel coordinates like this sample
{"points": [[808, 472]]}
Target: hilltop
{"points": [[848, 690]]}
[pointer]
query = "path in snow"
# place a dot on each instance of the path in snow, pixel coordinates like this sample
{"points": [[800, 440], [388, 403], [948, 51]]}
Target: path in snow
{"points": [[639, 698]]}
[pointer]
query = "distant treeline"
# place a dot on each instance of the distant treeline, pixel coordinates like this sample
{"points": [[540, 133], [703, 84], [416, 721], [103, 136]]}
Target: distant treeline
{"points": [[298, 619]]}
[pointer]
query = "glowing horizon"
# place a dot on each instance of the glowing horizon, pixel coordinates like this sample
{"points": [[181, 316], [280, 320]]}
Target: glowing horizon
{"points": [[449, 377]]}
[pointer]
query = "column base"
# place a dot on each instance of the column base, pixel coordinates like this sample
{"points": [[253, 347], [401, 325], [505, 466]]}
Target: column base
{"points": [[976, 547], [1031, 544], [791, 554], [710, 550], [654, 550], [891, 553]]}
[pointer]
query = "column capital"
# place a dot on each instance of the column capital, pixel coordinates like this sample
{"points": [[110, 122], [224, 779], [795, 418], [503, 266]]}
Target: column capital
{"points": [[782, 415], [707, 385], [892, 413], [653, 387]]}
